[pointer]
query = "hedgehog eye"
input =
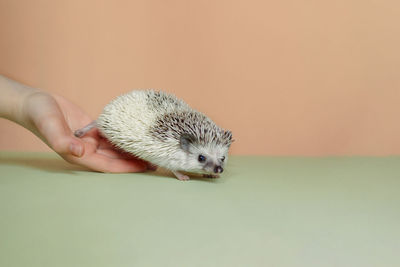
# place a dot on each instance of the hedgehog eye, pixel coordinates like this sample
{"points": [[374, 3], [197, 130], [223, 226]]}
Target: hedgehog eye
{"points": [[223, 158], [202, 158]]}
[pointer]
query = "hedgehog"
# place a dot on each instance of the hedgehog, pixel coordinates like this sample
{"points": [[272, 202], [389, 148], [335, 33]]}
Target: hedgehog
{"points": [[157, 127]]}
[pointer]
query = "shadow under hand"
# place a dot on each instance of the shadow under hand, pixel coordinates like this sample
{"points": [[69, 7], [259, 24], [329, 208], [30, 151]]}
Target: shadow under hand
{"points": [[47, 163]]}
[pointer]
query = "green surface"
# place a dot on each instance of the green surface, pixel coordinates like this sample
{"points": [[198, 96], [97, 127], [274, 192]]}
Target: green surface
{"points": [[264, 211]]}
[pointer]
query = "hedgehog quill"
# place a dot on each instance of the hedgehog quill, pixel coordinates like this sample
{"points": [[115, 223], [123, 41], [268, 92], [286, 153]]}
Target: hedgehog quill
{"points": [[165, 131]]}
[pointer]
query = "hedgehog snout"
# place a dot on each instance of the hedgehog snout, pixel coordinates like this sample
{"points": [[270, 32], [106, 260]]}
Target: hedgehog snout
{"points": [[218, 169]]}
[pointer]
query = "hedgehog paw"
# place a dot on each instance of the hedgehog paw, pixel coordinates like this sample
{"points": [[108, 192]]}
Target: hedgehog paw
{"points": [[181, 177]]}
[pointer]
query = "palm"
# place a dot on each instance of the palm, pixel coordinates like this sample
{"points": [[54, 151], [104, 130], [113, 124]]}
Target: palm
{"points": [[55, 118]]}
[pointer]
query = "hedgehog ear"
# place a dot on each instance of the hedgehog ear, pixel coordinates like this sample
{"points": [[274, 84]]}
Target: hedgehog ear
{"points": [[185, 141]]}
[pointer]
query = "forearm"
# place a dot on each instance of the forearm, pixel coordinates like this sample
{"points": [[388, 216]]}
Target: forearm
{"points": [[12, 97]]}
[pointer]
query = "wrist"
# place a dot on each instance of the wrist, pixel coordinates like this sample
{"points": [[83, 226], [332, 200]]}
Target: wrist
{"points": [[13, 97]]}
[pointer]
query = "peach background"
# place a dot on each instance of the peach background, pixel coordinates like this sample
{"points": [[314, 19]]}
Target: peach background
{"points": [[287, 77]]}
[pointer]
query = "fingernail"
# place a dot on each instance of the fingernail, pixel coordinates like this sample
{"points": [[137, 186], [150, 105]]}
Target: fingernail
{"points": [[75, 149]]}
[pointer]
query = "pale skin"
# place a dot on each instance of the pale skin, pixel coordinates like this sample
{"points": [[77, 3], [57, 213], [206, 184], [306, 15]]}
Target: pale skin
{"points": [[54, 119], [181, 176]]}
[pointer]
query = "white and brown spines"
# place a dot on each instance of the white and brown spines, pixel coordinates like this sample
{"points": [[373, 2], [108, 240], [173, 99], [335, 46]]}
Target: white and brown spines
{"points": [[226, 138], [159, 101], [154, 126], [171, 126]]}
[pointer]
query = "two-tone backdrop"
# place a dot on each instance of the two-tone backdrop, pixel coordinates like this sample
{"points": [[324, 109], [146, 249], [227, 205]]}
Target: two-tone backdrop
{"points": [[287, 77]]}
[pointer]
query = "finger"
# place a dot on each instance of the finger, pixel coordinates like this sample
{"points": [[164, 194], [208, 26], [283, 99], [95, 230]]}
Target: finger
{"points": [[111, 153], [118, 154], [129, 157]]}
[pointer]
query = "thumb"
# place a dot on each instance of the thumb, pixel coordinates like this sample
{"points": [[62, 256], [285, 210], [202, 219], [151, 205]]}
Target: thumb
{"points": [[68, 145], [76, 147]]}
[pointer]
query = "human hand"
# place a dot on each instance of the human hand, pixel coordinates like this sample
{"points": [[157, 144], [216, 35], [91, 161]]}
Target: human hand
{"points": [[53, 119]]}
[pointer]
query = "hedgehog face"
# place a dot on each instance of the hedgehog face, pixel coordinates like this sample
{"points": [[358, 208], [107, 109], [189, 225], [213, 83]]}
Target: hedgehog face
{"points": [[208, 159]]}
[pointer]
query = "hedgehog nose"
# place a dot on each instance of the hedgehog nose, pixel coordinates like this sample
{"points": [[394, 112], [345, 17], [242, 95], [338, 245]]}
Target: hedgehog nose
{"points": [[218, 169]]}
